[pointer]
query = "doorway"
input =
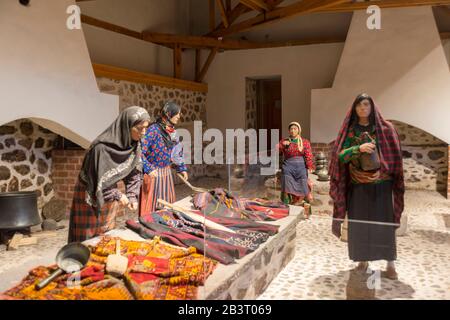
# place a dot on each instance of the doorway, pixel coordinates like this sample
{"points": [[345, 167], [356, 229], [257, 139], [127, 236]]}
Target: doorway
{"points": [[263, 105]]}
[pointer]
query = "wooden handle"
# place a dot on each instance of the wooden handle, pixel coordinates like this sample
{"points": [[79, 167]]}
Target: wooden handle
{"points": [[196, 217], [190, 185], [184, 180], [170, 205]]}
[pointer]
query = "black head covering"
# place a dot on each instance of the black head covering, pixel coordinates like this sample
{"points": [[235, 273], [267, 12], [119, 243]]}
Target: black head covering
{"points": [[169, 110], [112, 156]]}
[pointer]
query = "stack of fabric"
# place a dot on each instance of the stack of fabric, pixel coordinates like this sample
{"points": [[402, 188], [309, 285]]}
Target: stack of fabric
{"points": [[156, 271], [220, 202], [179, 229]]}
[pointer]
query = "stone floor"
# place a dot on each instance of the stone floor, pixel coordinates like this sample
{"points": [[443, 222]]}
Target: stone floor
{"points": [[320, 269]]}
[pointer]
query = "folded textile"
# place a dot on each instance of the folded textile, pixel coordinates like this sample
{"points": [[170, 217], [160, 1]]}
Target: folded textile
{"points": [[221, 203], [179, 229]]}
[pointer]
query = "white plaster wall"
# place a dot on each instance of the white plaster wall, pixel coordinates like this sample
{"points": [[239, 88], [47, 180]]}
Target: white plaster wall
{"points": [[403, 66], [301, 68], [47, 73], [106, 47]]}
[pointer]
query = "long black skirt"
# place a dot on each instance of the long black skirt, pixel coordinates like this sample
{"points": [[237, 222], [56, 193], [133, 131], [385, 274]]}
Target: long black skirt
{"points": [[367, 241]]}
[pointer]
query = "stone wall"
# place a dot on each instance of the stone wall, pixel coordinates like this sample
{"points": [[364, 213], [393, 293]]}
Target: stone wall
{"points": [[25, 159], [152, 98], [26, 149], [425, 158], [250, 103]]}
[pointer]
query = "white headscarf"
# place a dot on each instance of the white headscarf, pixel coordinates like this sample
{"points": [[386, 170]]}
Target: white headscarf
{"points": [[300, 140]]}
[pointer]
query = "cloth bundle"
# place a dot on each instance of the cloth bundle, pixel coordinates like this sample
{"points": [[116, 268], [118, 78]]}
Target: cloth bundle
{"points": [[179, 229], [221, 203]]}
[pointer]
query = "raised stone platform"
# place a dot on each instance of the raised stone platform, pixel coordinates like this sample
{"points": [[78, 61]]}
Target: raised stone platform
{"points": [[249, 276], [246, 279], [252, 274]]}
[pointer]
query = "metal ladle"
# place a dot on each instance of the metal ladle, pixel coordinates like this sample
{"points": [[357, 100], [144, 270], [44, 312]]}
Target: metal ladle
{"points": [[70, 258]]}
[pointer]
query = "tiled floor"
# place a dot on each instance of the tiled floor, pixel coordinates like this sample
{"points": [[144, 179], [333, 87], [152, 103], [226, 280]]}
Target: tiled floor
{"points": [[320, 269]]}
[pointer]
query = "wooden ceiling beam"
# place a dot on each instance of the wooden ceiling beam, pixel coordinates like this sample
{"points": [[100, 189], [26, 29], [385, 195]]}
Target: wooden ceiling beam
{"points": [[197, 42], [349, 7], [318, 6], [208, 62], [101, 70], [258, 5], [235, 13], [171, 40], [115, 28], [262, 4], [238, 11], [292, 10], [202, 42], [223, 13], [109, 26], [251, 6]]}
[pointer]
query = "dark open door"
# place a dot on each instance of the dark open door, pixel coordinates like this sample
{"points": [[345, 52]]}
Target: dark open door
{"points": [[269, 106]]}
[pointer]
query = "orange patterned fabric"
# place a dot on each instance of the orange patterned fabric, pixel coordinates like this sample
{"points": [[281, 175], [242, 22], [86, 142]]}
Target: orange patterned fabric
{"points": [[94, 285], [156, 271]]}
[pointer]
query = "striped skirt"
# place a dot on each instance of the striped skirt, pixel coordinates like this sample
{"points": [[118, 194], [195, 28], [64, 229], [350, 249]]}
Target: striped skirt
{"points": [[154, 188], [87, 222]]}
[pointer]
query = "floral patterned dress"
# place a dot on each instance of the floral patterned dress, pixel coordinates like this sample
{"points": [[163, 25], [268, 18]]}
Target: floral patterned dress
{"points": [[158, 158]]}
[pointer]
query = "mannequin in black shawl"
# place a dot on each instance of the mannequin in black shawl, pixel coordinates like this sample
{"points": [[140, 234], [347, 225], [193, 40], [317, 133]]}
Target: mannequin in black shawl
{"points": [[113, 156]]}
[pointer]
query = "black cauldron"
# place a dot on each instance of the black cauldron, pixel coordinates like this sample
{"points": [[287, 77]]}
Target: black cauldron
{"points": [[18, 210]]}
